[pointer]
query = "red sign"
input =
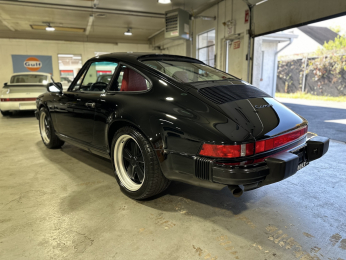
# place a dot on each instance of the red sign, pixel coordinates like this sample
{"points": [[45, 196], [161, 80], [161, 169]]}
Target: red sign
{"points": [[247, 15], [236, 45], [66, 71]]}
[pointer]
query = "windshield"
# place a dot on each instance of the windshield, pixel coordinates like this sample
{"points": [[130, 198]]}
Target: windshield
{"points": [[184, 71], [29, 79]]}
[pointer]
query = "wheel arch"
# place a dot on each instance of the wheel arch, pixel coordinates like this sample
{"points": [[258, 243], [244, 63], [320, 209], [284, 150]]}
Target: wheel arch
{"points": [[116, 125]]}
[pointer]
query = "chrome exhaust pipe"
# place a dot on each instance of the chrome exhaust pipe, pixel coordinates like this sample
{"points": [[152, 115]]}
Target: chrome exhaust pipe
{"points": [[237, 190]]}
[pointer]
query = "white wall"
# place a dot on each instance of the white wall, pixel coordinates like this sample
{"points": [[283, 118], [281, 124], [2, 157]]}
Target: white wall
{"points": [[224, 11], [176, 47], [53, 48], [266, 84], [303, 44]]}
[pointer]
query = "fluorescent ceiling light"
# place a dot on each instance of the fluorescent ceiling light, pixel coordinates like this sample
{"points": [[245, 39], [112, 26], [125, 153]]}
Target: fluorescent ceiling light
{"points": [[49, 28], [77, 57], [164, 2], [128, 32], [90, 22], [65, 55], [261, 2]]}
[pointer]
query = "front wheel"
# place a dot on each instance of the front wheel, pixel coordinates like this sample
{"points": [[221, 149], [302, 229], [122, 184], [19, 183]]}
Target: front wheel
{"points": [[137, 169], [49, 138]]}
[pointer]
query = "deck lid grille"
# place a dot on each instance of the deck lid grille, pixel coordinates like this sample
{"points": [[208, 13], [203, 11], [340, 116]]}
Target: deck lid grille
{"points": [[224, 94]]}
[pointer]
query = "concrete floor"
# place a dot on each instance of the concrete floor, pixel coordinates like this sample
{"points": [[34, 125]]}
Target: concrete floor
{"points": [[65, 204]]}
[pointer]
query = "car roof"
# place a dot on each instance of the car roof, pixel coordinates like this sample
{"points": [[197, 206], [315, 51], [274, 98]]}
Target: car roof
{"points": [[31, 73], [135, 57]]}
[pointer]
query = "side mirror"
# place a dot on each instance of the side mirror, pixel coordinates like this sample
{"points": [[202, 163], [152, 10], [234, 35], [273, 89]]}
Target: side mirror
{"points": [[5, 84], [54, 88]]}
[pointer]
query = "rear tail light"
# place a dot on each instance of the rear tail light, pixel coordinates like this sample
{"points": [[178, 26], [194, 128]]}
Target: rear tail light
{"points": [[227, 151], [234, 151]]}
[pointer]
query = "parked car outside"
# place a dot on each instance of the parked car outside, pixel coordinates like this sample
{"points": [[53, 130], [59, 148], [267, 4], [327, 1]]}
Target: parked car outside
{"points": [[164, 117]]}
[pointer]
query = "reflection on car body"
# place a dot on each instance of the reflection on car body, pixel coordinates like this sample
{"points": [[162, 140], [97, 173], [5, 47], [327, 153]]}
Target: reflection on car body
{"points": [[164, 117]]}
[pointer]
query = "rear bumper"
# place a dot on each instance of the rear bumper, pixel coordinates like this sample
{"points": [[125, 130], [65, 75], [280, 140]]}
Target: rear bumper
{"points": [[275, 168], [15, 106]]}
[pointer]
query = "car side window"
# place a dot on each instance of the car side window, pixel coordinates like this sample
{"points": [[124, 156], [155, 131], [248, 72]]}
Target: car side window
{"points": [[96, 78], [130, 80]]}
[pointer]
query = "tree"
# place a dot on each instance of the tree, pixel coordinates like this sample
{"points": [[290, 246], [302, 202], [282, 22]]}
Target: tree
{"points": [[336, 29], [338, 44]]}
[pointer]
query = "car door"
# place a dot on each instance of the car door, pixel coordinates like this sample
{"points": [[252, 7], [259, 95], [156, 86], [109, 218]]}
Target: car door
{"points": [[75, 109], [122, 95]]}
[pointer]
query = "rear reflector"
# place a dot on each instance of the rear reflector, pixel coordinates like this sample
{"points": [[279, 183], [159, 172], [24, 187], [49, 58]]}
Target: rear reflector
{"points": [[272, 143], [234, 151], [17, 99]]}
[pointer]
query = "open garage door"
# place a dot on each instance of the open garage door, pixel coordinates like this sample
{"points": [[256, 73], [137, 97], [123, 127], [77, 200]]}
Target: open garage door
{"points": [[277, 15]]}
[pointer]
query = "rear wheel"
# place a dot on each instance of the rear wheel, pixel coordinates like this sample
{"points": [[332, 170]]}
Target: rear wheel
{"points": [[5, 113], [137, 169], [49, 138]]}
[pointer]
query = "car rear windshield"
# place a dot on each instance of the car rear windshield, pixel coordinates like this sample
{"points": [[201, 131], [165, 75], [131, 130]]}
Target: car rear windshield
{"points": [[184, 71], [29, 79]]}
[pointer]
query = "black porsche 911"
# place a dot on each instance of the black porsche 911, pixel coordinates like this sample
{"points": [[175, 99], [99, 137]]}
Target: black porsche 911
{"points": [[164, 117]]}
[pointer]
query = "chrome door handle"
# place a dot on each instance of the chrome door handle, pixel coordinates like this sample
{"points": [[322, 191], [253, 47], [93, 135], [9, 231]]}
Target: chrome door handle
{"points": [[92, 105]]}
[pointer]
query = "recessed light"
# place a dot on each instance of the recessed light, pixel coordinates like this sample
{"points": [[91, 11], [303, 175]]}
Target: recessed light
{"points": [[164, 2], [128, 32], [49, 28]]}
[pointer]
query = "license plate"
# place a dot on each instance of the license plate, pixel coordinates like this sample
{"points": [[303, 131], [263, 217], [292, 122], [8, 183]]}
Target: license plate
{"points": [[27, 106], [302, 165]]}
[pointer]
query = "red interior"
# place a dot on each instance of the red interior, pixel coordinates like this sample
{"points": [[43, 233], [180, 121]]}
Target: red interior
{"points": [[132, 81]]}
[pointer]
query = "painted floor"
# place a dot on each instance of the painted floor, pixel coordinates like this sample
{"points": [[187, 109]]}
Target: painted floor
{"points": [[65, 204]]}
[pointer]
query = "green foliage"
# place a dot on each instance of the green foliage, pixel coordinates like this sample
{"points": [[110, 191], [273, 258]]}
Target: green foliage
{"points": [[336, 29], [338, 44]]}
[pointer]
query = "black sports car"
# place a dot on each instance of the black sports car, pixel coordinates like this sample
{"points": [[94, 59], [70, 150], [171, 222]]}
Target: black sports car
{"points": [[164, 117]]}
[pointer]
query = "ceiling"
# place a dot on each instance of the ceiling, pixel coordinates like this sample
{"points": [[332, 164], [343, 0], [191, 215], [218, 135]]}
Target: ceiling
{"points": [[145, 17]]}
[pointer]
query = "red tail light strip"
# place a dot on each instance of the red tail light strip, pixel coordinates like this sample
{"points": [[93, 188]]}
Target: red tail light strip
{"points": [[234, 151], [272, 143], [17, 99]]}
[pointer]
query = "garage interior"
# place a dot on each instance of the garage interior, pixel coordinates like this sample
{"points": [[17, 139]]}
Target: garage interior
{"points": [[66, 203]]}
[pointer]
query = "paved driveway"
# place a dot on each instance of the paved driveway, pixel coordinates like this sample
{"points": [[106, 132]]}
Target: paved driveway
{"points": [[325, 118]]}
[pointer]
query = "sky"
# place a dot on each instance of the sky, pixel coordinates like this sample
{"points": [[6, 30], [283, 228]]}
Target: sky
{"points": [[340, 21]]}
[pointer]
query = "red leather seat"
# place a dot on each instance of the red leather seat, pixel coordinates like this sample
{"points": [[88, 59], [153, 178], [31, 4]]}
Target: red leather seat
{"points": [[133, 81]]}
